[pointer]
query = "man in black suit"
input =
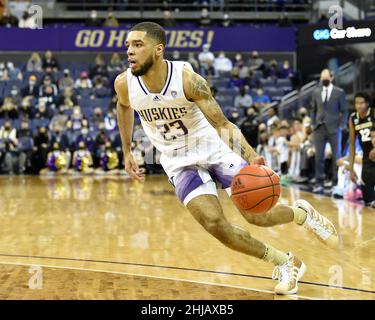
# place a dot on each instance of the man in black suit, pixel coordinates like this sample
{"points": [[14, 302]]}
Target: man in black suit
{"points": [[31, 89], [329, 118]]}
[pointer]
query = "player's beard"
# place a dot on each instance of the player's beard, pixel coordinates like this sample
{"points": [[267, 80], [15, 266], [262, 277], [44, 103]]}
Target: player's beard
{"points": [[144, 68]]}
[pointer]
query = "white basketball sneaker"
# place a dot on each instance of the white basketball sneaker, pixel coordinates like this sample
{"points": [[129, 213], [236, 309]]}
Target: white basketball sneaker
{"points": [[318, 224], [288, 275]]}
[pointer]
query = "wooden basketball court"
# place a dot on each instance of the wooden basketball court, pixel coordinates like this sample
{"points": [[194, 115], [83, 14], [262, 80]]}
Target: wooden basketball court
{"points": [[111, 238]]}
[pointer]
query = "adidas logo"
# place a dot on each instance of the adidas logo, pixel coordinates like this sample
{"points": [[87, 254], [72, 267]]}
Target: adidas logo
{"points": [[231, 165], [156, 98]]}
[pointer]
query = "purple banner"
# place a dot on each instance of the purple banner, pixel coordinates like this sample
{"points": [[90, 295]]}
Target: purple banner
{"points": [[110, 39]]}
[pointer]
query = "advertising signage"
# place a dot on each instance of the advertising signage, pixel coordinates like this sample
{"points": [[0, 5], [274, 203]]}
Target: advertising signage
{"points": [[322, 34]]}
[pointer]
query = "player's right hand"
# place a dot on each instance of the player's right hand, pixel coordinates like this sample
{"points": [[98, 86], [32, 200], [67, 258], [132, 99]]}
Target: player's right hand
{"points": [[353, 176], [131, 167]]}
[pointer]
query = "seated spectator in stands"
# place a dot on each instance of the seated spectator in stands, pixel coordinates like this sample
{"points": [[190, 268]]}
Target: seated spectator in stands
{"points": [[226, 21], [111, 21], [42, 111], [97, 118], [31, 89], [3, 72], [27, 21], [286, 71], [67, 100], [7, 131], [110, 121], [261, 100], [34, 64], [168, 20], [113, 103], [99, 69], [176, 55], [108, 160], [15, 159], [222, 64], [194, 62], [272, 139], [239, 62], [75, 120], [82, 160], [86, 138], [83, 82], [99, 90], [256, 62], [234, 117], [249, 127], [48, 82], [272, 71], [8, 20], [116, 64], [57, 162], [93, 21], [12, 73], [243, 99], [40, 150], [235, 81], [24, 130], [16, 95], [66, 81], [272, 117], [100, 140], [58, 135], [48, 98], [26, 110], [49, 61], [9, 109], [59, 120], [206, 61], [205, 19]]}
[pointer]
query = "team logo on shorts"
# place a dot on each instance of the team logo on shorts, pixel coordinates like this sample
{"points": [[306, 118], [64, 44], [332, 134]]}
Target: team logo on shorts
{"points": [[174, 94]]}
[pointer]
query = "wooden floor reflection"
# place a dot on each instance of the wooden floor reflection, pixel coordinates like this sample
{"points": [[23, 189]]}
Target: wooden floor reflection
{"points": [[110, 238]]}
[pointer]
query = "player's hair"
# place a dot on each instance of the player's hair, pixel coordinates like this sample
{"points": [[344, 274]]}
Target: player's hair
{"points": [[153, 30], [363, 95]]}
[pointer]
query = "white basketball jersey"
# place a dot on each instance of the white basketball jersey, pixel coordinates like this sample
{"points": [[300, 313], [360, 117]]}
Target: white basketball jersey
{"points": [[168, 118]]}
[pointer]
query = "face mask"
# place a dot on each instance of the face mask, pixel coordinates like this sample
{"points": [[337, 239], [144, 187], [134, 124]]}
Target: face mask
{"points": [[85, 131], [326, 82], [303, 115], [238, 58], [13, 92], [7, 127]]}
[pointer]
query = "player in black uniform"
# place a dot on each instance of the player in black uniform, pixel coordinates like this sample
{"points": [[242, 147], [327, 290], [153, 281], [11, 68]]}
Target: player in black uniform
{"points": [[361, 123]]}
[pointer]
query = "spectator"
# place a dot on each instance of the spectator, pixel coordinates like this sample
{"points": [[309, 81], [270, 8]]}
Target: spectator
{"points": [[222, 64], [83, 82], [12, 72], [111, 21], [27, 21], [243, 99], [59, 120], [48, 98], [256, 62], [115, 64], [42, 111], [286, 71], [99, 69], [8, 20], [93, 21], [272, 117], [282, 147], [249, 127], [34, 64], [67, 100], [75, 121], [86, 138], [16, 95], [284, 20], [205, 19], [57, 161], [261, 100], [176, 55], [168, 20], [110, 121], [295, 143], [7, 131], [60, 136], [3, 72], [24, 130], [9, 109], [66, 81], [194, 62], [272, 72], [235, 81], [47, 82], [31, 89], [49, 61], [306, 120], [330, 115], [206, 60], [226, 22], [97, 117], [239, 62], [100, 91], [26, 110], [307, 157]]}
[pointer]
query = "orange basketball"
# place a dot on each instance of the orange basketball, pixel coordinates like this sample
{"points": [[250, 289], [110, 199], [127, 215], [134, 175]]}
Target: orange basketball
{"points": [[255, 189]]}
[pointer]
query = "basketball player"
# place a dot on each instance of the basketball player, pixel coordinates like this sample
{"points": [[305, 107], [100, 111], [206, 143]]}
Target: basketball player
{"points": [[176, 107], [360, 124]]}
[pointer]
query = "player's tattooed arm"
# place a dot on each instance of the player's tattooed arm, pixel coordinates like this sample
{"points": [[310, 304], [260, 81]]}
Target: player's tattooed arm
{"points": [[197, 90]]}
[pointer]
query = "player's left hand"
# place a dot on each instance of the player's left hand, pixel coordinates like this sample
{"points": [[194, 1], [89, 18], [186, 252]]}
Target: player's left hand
{"points": [[259, 160]]}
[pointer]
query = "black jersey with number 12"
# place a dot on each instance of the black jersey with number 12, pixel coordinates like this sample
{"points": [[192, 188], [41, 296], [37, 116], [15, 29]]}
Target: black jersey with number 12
{"points": [[362, 127]]}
